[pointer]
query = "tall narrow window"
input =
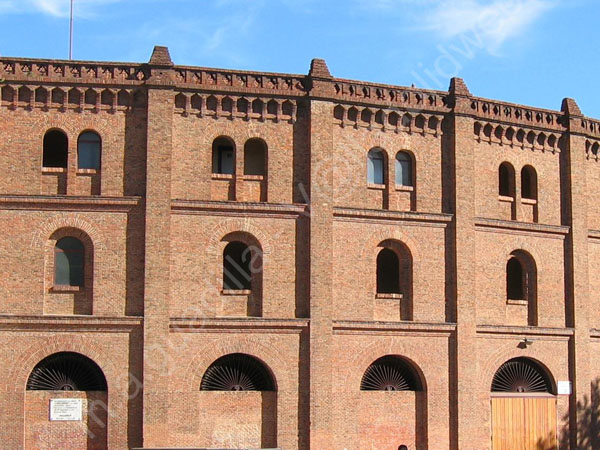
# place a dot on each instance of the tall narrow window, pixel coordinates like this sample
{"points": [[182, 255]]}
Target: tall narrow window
{"points": [[506, 180], [88, 150], [236, 267], [55, 149], [376, 167], [255, 152], [388, 272], [223, 156], [529, 183], [69, 262], [404, 169], [515, 280]]}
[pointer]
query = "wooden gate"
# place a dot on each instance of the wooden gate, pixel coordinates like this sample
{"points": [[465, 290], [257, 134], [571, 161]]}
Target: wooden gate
{"points": [[525, 422]]}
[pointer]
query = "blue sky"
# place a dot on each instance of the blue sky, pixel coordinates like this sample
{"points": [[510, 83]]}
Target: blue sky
{"points": [[534, 52]]}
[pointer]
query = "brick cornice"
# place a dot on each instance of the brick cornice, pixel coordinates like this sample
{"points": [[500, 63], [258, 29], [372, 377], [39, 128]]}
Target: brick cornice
{"points": [[372, 215], [395, 328], [485, 224], [524, 331], [237, 209]]}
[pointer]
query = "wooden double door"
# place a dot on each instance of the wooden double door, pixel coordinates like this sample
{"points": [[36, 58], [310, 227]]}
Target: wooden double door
{"points": [[524, 422]]}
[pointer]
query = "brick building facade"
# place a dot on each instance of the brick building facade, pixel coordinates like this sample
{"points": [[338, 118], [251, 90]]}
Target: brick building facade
{"points": [[218, 258]]}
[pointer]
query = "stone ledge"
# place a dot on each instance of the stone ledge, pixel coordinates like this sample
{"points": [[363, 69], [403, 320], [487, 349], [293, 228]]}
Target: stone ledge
{"points": [[405, 216], [524, 331], [237, 208], [384, 328], [485, 223], [68, 203], [234, 325], [69, 323]]}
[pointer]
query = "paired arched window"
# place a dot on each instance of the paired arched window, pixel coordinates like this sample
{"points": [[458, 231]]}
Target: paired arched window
{"points": [[255, 157], [56, 149], [223, 156], [237, 273], [529, 183], [89, 147], [506, 180], [376, 166], [404, 169], [69, 262]]}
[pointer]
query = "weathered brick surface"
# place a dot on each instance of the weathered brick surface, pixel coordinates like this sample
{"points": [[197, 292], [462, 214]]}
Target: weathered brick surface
{"points": [[154, 221]]}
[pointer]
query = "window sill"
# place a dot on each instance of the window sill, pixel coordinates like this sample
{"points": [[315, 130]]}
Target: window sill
{"points": [[236, 292], [63, 288], [505, 198], [519, 302], [222, 176], [388, 296], [54, 170], [87, 171], [403, 188], [529, 201], [253, 177], [379, 187]]}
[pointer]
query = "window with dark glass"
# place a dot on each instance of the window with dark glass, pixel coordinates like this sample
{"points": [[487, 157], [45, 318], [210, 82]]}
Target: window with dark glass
{"points": [[69, 262], [515, 280], [528, 183], [55, 149], [404, 169], [388, 272], [375, 167], [88, 150], [506, 180], [255, 157], [223, 156], [236, 267]]}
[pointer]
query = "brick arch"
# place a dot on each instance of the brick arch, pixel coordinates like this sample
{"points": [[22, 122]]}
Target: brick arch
{"points": [[508, 351], [525, 247], [51, 225], [238, 225], [22, 367], [351, 378], [72, 128], [372, 242], [209, 354]]}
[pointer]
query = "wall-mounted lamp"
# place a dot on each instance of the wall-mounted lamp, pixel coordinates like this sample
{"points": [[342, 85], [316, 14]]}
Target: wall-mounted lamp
{"points": [[525, 342]]}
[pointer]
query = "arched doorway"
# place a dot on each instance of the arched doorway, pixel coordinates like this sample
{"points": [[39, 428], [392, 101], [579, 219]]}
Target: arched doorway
{"points": [[523, 406], [392, 407], [238, 404], [66, 404]]}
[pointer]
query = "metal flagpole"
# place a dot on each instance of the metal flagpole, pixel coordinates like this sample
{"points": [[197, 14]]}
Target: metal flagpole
{"points": [[71, 33]]}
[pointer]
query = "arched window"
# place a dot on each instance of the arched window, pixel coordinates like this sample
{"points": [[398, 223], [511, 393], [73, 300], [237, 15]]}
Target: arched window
{"points": [[521, 282], [223, 156], [237, 274], [69, 257], [237, 372], [522, 375], [56, 148], [404, 169], [89, 146], [66, 371], [376, 167], [391, 373], [529, 183], [255, 153], [515, 280], [388, 272], [506, 180]]}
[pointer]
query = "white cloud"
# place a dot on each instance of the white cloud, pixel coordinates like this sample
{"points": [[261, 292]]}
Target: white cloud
{"points": [[56, 8], [495, 22]]}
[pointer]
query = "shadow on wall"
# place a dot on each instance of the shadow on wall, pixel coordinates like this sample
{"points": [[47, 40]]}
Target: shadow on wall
{"points": [[588, 412]]}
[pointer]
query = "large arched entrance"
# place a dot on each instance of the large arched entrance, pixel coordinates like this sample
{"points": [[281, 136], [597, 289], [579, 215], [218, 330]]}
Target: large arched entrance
{"points": [[66, 404], [238, 404], [392, 407], [523, 406]]}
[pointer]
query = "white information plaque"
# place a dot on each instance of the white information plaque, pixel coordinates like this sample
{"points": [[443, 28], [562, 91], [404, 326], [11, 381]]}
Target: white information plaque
{"points": [[563, 387], [66, 409]]}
